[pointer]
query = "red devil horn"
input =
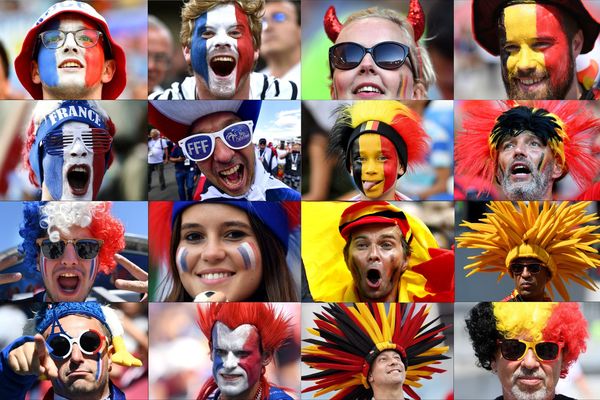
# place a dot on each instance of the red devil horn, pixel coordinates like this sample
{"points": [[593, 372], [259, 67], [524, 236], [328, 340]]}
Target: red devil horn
{"points": [[332, 24], [416, 17]]}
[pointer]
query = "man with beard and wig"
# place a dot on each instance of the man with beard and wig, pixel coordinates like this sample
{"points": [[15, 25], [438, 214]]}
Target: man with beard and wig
{"points": [[528, 346], [242, 338], [519, 150], [68, 148], [74, 346], [70, 54], [221, 40], [537, 42], [539, 246]]}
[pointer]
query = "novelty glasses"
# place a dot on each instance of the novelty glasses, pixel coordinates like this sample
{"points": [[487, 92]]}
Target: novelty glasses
{"points": [[97, 140], [515, 349], [387, 55], [517, 269], [200, 146], [86, 249], [61, 344], [55, 39]]}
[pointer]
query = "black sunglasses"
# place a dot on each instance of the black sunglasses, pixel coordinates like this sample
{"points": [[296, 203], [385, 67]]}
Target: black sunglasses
{"points": [[86, 249], [515, 349], [387, 55], [517, 269], [61, 344]]}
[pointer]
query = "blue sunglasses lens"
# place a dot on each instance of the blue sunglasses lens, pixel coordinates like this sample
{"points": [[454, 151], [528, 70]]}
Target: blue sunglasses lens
{"points": [[237, 136], [199, 147]]}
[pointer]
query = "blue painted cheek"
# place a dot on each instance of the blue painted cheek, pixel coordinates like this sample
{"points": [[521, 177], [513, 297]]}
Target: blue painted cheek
{"points": [[53, 166], [47, 66], [198, 48], [217, 360]]}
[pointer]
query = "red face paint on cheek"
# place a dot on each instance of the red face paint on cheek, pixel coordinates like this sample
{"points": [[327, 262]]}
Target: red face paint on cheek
{"points": [[98, 167], [252, 364], [245, 45], [390, 166], [551, 34]]}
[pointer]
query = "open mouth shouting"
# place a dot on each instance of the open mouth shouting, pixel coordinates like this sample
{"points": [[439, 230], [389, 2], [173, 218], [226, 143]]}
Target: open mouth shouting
{"points": [[368, 90], [374, 278], [233, 178], [78, 178], [68, 283], [520, 171], [222, 65]]}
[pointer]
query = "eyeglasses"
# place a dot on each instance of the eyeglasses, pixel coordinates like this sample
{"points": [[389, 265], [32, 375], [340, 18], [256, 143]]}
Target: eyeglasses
{"points": [[86, 249], [55, 39], [61, 344], [200, 146], [94, 139], [387, 55], [515, 349], [517, 269]]}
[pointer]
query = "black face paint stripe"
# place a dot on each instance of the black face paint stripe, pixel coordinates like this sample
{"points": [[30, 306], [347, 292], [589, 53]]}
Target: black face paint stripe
{"points": [[356, 166]]}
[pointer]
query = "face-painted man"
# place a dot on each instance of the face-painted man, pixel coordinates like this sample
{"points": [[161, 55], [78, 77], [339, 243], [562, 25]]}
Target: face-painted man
{"points": [[70, 54], [243, 338], [69, 149], [537, 43], [74, 346], [377, 140]]}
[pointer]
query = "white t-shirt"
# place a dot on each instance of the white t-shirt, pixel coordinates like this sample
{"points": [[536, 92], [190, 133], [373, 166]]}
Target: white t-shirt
{"points": [[156, 149]]}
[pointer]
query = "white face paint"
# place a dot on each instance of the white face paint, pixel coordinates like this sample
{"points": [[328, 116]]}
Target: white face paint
{"points": [[77, 171], [222, 48]]}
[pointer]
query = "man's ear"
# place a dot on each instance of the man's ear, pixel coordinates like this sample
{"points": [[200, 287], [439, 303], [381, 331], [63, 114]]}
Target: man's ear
{"points": [[187, 54], [419, 91], [404, 266], [267, 357], [111, 351], [557, 170], [577, 43], [255, 58], [35, 72], [110, 66]]}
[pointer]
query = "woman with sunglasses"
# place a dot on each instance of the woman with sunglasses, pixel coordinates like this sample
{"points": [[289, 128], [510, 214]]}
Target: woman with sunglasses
{"points": [[386, 63], [226, 251], [69, 243], [527, 345]]}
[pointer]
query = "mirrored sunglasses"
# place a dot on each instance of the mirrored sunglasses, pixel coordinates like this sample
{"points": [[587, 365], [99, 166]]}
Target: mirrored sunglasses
{"points": [[61, 344], [387, 55], [517, 269], [97, 140], [55, 38], [200, 146], [86, 249], [515, 349]]}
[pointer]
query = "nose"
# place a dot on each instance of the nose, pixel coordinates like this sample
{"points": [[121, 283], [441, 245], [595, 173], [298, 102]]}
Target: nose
{"points": [[69, 257], [369, 166], [230, 361], [525, 62], [367, 65], [374, 253], [78, 149], [525, 273], [530, 361], [213, 252], [76, 355], [222, 154], [70, 43]]}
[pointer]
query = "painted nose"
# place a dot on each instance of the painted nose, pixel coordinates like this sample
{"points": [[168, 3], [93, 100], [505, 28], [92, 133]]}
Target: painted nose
{"points": [[78, 149], [526, 60], [230, 361], [70, 43], [370, 166]]}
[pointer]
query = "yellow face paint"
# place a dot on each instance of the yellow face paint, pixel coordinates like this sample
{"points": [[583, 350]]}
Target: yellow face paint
{"points": [[521, 39], [374, 164]]}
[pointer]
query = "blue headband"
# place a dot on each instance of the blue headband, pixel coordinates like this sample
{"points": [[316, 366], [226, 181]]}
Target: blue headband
{"points": [[69, 110], [51, 313], [270, 213]]}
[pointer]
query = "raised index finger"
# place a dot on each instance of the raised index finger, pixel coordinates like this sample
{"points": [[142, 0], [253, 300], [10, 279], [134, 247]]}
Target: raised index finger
{"points": [[47, 365], [133, 269]]}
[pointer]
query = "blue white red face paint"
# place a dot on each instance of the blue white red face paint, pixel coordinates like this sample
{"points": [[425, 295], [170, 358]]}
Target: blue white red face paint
{"points": [[248, 253], [237, 361], [70, 67], [221, 48], [181, 259]]}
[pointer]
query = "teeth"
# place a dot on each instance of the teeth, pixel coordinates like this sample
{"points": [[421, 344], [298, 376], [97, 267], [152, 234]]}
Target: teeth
{"points": [[530, 81], [68, 275], [230, 170], [224, 58], [79, 169], [368, 89], [70, 64], [218, 275]]}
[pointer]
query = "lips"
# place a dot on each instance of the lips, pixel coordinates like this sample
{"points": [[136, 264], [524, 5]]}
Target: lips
{"points": [[233, 177], [374, 278], [68, 282], [215, 276], [369, 185], [368, 90], [223, 65], [70, 64], [78, 177]]}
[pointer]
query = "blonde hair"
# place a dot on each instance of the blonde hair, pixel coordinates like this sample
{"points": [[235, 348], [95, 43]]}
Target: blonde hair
{"points": [[194, 8]]}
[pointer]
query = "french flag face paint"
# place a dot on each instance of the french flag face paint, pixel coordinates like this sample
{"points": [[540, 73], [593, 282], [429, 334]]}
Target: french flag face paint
{"points": [[221, 48], [70, 68], [181, 260], [248, 253], [237, 361]]}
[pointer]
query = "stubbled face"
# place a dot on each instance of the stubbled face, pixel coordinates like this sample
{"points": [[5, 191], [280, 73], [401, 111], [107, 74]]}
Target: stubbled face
{"points": [[218, 251], [82, 375], [368, 81], [71, 71], [230, 170], [531, 286], [78, 173], [387, 370], [537, 57], [69, 278], [221, 51], [375, 166], [529, 378], [377, 260], [282, 34], [237, 359], [526, 168]]}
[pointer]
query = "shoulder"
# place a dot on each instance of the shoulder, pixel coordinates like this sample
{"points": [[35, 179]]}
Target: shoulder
{"points": [[266, 87], [276, 393], [282, 193], [184, 90]]}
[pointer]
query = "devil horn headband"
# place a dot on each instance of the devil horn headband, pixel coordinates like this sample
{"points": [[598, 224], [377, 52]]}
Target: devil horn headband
{"points": [[416, 18]]}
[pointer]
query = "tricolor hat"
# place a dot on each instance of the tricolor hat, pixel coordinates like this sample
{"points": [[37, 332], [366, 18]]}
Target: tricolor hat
{"points": [[485, 14], [110, 90], [174, 118], [373, 212]]}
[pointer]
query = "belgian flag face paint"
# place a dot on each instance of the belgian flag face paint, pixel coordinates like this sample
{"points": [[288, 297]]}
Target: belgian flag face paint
{"points": [[375, 165], [536, 55]]}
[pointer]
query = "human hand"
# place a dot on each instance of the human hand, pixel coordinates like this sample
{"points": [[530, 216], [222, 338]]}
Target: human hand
{"points": [[9, 277], [140, 285], [32, 358]]}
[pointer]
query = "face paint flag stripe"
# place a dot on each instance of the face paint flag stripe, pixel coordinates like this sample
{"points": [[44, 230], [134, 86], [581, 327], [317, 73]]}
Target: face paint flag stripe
{"points": [[182, 259], [248, 255], [93, 268], [198, 47]]}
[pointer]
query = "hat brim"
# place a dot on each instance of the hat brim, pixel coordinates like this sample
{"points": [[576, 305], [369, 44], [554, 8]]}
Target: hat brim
{"points": [[485, 15]]}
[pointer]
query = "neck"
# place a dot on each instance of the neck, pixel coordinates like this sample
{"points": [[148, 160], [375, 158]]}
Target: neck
{"points": [[94, 93], [280, 63], [575, 91], [98, 394], [508, 395], [392, 392], [242, 90], [249, 394]]}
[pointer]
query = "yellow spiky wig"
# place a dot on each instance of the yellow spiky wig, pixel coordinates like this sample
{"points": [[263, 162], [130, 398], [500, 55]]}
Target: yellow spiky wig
{"points": [[554, 322], [557, 234], [351, 337], [388, 118]]}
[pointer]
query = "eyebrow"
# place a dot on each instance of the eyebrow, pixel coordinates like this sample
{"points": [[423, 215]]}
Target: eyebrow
{"points": [[228, 224]]}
